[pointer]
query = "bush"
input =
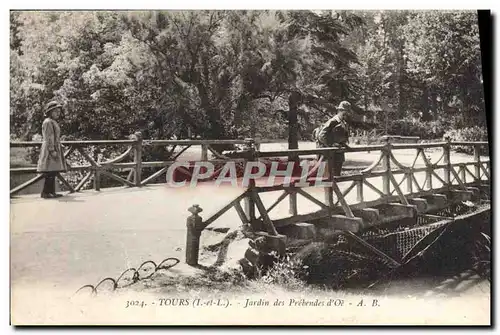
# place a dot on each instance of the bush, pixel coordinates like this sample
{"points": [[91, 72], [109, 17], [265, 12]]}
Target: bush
{"points": [[469, 134], [287, 272], [424, 130]]}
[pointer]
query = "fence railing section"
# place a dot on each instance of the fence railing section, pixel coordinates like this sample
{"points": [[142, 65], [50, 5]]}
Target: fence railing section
{"points": [[386, 176]]}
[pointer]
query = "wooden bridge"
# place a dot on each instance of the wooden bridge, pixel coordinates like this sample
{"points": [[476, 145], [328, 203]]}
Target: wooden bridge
{"points": [[384, 191]]}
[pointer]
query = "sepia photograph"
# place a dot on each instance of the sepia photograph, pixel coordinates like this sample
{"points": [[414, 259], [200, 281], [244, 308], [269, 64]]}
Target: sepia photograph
{"points": [[250, 167]]}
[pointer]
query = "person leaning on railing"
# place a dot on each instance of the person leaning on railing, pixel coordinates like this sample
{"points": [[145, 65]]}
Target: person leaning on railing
{"points": [[334, 133], [51, 160]]}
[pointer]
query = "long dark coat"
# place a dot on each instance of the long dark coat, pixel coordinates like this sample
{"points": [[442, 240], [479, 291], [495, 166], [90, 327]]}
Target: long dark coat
{"points": [[51, 156]]}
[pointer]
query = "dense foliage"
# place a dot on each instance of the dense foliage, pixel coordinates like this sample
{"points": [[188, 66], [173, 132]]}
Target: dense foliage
{"points": [[228, 74]]}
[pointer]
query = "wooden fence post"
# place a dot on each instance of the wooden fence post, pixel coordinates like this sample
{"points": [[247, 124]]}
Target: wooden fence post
{"points": [[249, 202], [359, 186], [292, 198], [386, 163], [138, 158], [97, 175], [204, 152], [447, 162], [330, 163], [477, 163]]}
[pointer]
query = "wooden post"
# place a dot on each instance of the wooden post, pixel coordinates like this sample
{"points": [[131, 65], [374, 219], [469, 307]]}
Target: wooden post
{"points": [[409, 182], [97, 179], [249, 202], [386, 163], [204, 152], [359, 185], [292, 198], [463, 174], [138, 158], [194, 227], [447, 162], [330, 161], [429, 176], [97, 175], [293, 201], [477, 165]]}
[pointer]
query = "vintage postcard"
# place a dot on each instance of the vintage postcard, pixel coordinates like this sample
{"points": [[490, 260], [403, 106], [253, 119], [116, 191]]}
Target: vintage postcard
{"points": [[249, 167]]}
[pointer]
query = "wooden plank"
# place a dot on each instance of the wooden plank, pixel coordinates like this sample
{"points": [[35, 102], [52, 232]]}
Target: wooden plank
{"points": [[416, 183], [180, 153], [438, 177], [402, 198], [367, 183], [463, 143], [409, 182], [344, 204], [204, 152], [69, 151], [419, 151], [346, 192], [293, 203], [154, 176], [399, 146], [24, 144], [301, 218], [319, 151], [65, 182], [311, 198], [457, 178], [263, 213], [224, 209], [359, 189], [392, 261], [469, 172], [119, 158], [26, 184], [280, 198], [83, 181], [374, 164], [118, 178], [87, 157], [241, 213], [486, 173], [193, 142]]}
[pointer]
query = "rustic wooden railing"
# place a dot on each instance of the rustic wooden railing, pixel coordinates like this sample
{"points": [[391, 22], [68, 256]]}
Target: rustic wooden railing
{"points": [[391, 182], [386, 167], [131, 160], [389, 179]]}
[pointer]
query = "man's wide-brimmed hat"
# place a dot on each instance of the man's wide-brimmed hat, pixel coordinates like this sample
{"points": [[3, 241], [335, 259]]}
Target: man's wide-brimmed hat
{"points": [[344, 105], [51, 106]]}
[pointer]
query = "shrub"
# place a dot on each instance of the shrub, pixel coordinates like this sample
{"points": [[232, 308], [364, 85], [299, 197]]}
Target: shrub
{"points": [[469, 134], [286, 272], [424, 130]]}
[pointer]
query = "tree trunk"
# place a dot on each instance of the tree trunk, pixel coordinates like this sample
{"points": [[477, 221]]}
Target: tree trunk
{"points": [[240, 110], [465, 103], [434, 104], [425, 104], [293, 125], [215, 130]]}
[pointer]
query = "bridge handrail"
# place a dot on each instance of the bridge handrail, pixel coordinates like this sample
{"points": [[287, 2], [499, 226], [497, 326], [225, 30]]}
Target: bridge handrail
{"points": [[136, 145], [17, 144]]}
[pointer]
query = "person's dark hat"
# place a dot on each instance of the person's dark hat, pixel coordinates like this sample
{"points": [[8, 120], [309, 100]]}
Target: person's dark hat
{"points": [[51, 106]]}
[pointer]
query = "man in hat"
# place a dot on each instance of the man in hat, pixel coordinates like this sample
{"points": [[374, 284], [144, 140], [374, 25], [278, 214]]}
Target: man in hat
{"points": [[51, 160], [334, 133]]}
